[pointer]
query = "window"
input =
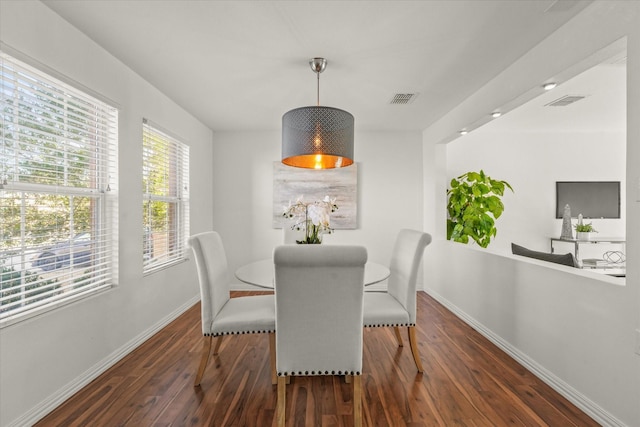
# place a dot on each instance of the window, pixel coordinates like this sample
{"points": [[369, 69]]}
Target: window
{"points": [[165, 179], [57, 192]]}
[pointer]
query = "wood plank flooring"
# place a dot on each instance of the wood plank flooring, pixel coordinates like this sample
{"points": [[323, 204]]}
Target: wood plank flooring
{"points": [[467, 382]]}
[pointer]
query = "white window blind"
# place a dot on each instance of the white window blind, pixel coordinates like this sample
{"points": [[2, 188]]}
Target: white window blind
{"points": [[165, 179], [58, 204]]}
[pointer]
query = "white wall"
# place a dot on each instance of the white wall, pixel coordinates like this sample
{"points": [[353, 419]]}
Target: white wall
{"points": [[389, 192], [532, 162], [46, 358], [633, 189], [574, 329]]}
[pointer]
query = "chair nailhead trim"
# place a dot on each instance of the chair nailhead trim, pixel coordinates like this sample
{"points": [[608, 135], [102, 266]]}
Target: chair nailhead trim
{"points": [[386, 325], [217, 334], [310, 373], [268, 331]]}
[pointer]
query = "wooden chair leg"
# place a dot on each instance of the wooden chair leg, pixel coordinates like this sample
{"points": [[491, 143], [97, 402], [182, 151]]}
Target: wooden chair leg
{"points": [[398, 336], [414, 348], [281, 405], [272, 357], [204, 358], [357, 400], [218, 343]]}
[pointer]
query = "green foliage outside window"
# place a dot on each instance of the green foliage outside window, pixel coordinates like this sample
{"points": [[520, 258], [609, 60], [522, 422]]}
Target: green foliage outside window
{"points": [[156, 183], [42, 146], [11, 283], [163, 196], [47, 218], [57, 159]]}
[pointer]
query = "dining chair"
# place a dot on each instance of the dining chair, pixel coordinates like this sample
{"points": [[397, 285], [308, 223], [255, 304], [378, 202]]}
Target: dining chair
{"points": [[319, 300], [222, 315], [397, 306]]}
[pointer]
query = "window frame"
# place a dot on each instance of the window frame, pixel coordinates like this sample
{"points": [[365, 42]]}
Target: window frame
{"points": [[171, 155], [66, 128]]}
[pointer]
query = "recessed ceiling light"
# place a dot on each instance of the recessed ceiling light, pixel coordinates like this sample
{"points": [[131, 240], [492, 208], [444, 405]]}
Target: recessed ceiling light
{"points": [[496, 114], [463, 132], [549, 86]]}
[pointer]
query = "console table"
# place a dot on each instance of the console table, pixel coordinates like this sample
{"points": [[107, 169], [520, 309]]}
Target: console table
{"points": [[593, 241]]}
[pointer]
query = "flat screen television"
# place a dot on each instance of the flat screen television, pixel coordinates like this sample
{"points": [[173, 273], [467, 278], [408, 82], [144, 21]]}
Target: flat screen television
{"points": [[592, 199]]}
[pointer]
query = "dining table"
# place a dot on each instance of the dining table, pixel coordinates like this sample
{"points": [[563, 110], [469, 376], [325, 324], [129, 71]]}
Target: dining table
{"points": [[261, 273]]}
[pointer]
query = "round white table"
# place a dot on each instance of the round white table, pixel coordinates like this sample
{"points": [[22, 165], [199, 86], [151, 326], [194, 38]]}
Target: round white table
{"points": [[260, 273]]}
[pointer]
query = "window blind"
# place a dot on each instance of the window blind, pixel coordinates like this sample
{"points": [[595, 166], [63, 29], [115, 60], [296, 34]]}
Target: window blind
{"points": [[58, 171], [165, 180]]}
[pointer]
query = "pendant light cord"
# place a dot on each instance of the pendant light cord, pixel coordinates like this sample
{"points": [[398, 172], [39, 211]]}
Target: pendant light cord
{"points": [[318, 95]]}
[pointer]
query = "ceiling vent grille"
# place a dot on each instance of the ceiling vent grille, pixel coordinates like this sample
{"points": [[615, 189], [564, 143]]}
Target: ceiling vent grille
{"points": [[565, 100], [403, 98]]}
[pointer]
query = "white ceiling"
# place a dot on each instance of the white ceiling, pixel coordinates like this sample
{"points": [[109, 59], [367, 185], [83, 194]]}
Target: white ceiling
{"points": [[239, 65], [603, 108]]}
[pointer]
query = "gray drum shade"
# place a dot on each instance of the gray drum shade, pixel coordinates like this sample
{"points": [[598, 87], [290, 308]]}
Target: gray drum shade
{"points": [[317, 138]]}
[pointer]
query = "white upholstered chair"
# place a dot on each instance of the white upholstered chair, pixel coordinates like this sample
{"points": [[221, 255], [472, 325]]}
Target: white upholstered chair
{"points": [[319, 299], [221, 314], [397, 306]]}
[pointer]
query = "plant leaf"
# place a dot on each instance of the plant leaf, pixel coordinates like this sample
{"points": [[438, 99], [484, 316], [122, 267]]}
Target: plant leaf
{"points": [[476, 177]]}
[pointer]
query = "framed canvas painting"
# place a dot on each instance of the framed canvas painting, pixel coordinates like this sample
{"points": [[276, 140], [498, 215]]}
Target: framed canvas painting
{"points": [[290, 183]]}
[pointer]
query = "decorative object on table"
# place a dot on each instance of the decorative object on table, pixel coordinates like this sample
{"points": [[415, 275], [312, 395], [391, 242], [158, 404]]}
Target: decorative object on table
{"points": [[311, 217], [342, 183], [583, 231], [594, 263], [567, 230], [614, 257], [474, 203], [317, 137]]}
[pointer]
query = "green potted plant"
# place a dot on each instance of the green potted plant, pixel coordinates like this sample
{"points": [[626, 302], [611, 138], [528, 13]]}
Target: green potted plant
{"points": [[473, 206], [584, 230]]}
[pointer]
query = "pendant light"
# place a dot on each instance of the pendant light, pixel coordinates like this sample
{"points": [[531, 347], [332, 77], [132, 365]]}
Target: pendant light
{"points": [[317, 137]]}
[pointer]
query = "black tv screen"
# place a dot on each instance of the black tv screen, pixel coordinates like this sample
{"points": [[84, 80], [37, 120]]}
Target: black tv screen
{"points": [[592, 199]]}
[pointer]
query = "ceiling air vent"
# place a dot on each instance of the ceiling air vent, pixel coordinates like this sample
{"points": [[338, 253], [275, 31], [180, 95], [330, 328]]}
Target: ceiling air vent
{"points": [[565, 100], [403, 98]]}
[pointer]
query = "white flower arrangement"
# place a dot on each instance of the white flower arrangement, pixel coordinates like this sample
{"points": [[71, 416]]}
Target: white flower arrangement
{"points": [[312, 217]]}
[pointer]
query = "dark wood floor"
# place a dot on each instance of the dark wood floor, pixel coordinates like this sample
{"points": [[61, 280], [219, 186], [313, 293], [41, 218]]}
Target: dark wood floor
{"points": [[467, 382]]}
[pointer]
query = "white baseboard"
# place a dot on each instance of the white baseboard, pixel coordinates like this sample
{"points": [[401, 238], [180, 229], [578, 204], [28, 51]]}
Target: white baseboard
{"points": [[56, 399], [586, 405]]}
